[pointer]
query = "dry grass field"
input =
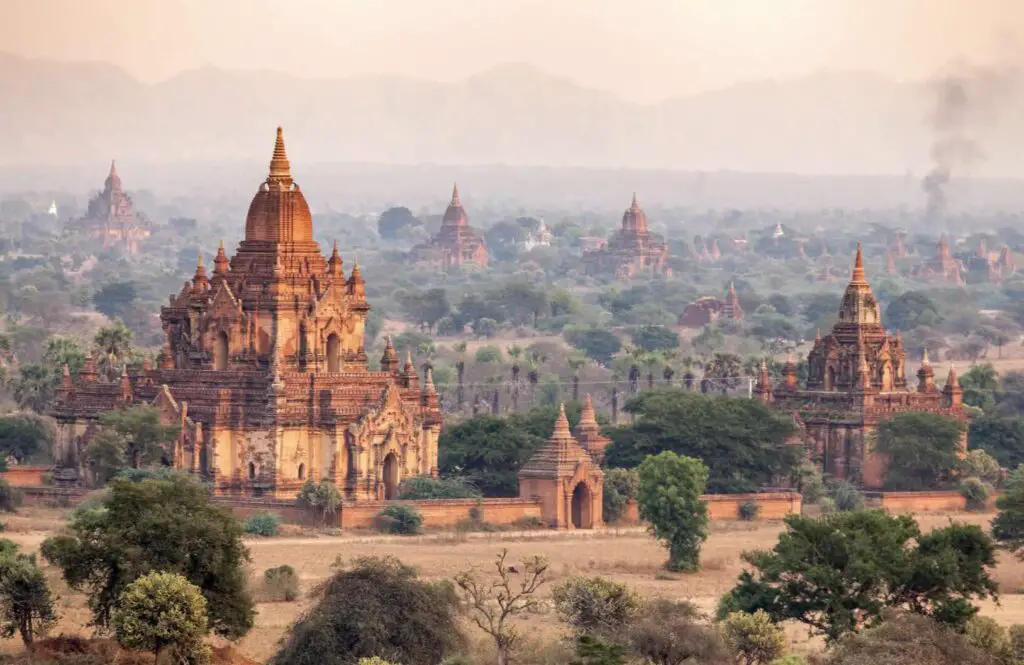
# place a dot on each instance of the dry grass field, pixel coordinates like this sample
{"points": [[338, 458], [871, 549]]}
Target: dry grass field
{"points": [[629, 556]]}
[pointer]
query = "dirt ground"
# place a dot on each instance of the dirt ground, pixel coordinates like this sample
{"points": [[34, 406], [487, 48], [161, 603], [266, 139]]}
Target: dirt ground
{"points": [[627, 555]]}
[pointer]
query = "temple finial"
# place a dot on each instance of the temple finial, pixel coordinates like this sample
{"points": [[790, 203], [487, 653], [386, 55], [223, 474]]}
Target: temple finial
{"points": [[280, 168], [634, 204], [456, 201], [561, 424], [113, 167], [858, 266]]}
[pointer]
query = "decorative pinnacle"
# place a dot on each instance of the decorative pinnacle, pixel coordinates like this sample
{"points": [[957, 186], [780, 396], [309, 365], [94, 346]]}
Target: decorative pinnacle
{"points": [[113, 168], [561, 424], [858, 266], [634, 205], [455, 195], [924, 358], [280, 168]]}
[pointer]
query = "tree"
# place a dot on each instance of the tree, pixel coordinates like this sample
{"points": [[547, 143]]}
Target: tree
{"points": [[26, 607], [837, 574], [598, 344], [323, 498], [155, 525], [428, 306], [1000, 436], [595, 605], [139, 434], [115, 299], [394, 223], [620, 487], [418, 488], [671, 633], [921, 448], [723, 372], [36, 387], [375, 606], [655, 338], [113, 347], [743, 442], [912, 309], [980, 384], [907, 639], [1008, 524], [669, 497], [162, 611], [60, 351], [492, 606], [753, 638], [23, 435]]}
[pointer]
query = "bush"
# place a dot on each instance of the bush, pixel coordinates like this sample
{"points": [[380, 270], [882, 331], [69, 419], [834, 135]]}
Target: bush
{"points": [[827, 505], [749, 510], [26, 606], [811, 484], [671, 633], [979, 464], [620, 486], [529, 523], [376, 660], [281, 583], [592, 650], [263, 524], [160, 611], [976, 492], [425, 487], [399, 519], [753, 638], [321, 499], [907, 639], [846, 496], [595, 604], [790, 659], [990, 637], [1016, 634], [10, 497]]}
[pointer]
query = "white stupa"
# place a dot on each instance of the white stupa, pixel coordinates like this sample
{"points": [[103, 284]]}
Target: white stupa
{"points": [[52, 212], [778, 233]]}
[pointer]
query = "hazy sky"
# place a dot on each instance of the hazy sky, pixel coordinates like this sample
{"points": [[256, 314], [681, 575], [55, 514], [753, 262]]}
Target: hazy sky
{"points": [[644, 49]]}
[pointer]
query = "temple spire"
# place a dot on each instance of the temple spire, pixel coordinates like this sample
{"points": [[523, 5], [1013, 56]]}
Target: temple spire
{"points": [[634, 205], [280, 168], [858, 267], [455, 196], [220, 262], [334, 263], [561, 430]]}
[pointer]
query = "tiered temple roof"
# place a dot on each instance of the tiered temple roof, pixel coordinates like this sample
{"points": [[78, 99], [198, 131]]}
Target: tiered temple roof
{"points": [[633, 249], [111, 217], [456, 244]]}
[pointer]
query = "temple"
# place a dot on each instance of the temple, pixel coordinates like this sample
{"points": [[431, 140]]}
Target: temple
{"points": [[263, 366], [942, 267], [707, 310], [456, 245], [631, 251], [992, 267], [111, 217], [856, 378], [565, 479]]}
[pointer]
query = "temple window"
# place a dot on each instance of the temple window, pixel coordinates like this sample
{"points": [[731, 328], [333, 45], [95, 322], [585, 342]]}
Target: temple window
{"points": [[252, 471], [220, 352], [333, 353], [302, 471]]}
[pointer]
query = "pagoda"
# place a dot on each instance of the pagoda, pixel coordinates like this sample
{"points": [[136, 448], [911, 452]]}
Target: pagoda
{"points": [[263, 366], [111, 217], [632, 250], [456, 245], [857, 378], [942, 267]]}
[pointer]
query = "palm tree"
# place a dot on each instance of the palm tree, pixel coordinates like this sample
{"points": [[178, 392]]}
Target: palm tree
{"points": [[651, 361], [636, 354], [514, 352], [534, 360], [35, 387], [113, 348], [576, 362], [669, 357], [460, 368], [428, 352]]}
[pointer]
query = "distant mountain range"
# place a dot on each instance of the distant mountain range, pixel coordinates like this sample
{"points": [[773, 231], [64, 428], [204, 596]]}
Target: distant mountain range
{"points": [[833, 122]]}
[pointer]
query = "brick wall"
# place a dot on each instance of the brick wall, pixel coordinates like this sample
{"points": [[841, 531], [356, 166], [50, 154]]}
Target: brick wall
{"points": [[922, 502], [444, 512], [25, 476], [726, 507]]}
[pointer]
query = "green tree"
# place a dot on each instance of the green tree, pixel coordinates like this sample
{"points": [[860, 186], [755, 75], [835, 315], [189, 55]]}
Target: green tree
{"points": [[912, 309], [669, 497], [753, 638], [592, 650], [428, 306], [112, 347], [395, 223], [620, 486], [161, 611], [139, 435], [837, 574], [598, 344], [980, 384], [26, 606], [1008, 524], [595, 605], [655, 338], [921, 448], [322, 499], [156, 525], [743, 442], [60, 351], [375, 607], [1000, 436], [35, 387], [115, 299], [23, 435]]}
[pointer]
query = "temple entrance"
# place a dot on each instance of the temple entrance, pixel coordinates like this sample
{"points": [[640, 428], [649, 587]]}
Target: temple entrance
{"points": [[391, 476], [333, 353], [581, 517], [220, 352]]}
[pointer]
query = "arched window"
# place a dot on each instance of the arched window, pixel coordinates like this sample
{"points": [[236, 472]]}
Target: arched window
{"points": [[333, 353], [220, 352], [252, 471], [302, 471]]}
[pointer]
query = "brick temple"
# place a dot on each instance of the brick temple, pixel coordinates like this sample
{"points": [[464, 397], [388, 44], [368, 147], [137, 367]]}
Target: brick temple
{"points": [[707, 310], [631, 251], [857, 378], [942, 267], [456, 244], [263, 366], [111, 217]]}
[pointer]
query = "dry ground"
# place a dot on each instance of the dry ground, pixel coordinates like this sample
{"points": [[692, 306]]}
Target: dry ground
{"points": [[627, 555]]}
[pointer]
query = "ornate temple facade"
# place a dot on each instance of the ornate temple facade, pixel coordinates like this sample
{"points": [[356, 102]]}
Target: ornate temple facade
{"points": [[565, 479], [456, 245], [857, 378], [632, 250], [111, 217], [263, 365], [942, 267]]}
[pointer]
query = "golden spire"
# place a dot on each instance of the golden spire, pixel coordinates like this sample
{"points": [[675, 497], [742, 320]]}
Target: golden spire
{"points": [[858, 267], [280, 168], [924, 358]]}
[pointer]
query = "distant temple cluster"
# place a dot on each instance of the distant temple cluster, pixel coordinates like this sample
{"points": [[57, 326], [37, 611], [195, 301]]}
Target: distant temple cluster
{"points": [[708, 310], [111, 217], [631, 251], [856, 378], [456, 245]]}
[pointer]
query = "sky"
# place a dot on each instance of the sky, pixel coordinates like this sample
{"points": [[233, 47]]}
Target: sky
{"points": [[645, 50]]}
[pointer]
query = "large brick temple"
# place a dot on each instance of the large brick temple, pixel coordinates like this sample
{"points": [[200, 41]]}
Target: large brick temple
{"points": [[856, 379], [632, 250], [263, 364], [456, 244], [111, 217]]}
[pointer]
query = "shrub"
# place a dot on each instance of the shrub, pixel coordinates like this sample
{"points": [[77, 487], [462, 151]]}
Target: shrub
{"points": [[907, 639], [753, 638], [1016, 635], [321, 499], [790, 659], [811, 484], [977, 493], [160, 611], [281, 583], [979, 464], [400, 519], [529, 523], [263, 524], [671, 633], [986, 634], [846, 496], [595, 604], [592, 650], [426, 487], [827, 505], [10, 497], [620, 486], [375, 660], [749, 510]]}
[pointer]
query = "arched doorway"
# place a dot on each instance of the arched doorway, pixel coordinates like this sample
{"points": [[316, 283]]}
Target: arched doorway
{"points": [[391, 476], [252, 471], [302, 471], [581, 517], [333, 353], [220, 352]]}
